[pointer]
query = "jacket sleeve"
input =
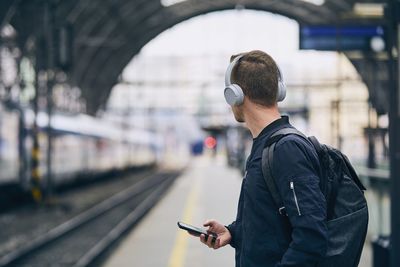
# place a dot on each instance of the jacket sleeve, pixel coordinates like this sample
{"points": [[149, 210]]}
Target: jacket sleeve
{"points": [[296, 174], [232, 231]]}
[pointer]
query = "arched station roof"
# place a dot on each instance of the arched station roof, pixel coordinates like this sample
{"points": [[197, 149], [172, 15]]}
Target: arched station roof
{"points": [[108, 33]]}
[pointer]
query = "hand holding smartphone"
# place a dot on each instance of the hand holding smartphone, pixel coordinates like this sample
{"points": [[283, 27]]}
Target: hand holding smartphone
{"points": [[197, 231]]}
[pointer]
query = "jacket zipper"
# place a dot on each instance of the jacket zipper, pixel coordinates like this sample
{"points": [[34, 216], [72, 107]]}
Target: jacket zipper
{"points": [[295, 197]]}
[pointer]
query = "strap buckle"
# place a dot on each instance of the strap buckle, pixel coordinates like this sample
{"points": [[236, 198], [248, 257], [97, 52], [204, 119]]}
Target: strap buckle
{"points": [[282, 211]]}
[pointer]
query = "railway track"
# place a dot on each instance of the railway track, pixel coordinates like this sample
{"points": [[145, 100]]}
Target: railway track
{"points": [[84, 239]]}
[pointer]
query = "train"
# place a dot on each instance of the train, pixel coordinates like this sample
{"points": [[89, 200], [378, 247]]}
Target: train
{"points": [[82, 146]]}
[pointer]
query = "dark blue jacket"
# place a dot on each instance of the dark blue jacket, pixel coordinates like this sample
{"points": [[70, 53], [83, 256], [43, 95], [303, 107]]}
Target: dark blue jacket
{"points": [[260, 235]]}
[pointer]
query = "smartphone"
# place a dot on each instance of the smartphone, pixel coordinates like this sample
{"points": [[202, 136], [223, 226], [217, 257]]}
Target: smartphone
{"points": [[197, 231]]}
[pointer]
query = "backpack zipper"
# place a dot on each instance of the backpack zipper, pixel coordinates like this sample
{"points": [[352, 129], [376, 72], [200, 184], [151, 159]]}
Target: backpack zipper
{"points": [[295, 197]]}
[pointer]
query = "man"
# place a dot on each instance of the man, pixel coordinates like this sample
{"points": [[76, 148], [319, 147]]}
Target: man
{"points": [[262, 236]]}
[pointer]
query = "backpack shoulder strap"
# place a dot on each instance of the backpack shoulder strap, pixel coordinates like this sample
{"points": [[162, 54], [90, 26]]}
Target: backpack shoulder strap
{"points": [[276, 136], [316, 144], [267, 161]]}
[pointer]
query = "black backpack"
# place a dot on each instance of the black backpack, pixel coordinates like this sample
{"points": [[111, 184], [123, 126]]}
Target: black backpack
{"points": [[347, 211]]}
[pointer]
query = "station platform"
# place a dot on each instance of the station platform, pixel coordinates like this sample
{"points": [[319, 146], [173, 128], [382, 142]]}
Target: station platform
{"points": [[208, 189]]}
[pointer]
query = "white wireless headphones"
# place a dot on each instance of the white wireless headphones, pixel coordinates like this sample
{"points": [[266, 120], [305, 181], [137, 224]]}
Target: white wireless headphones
{"points": [[234, 95]]}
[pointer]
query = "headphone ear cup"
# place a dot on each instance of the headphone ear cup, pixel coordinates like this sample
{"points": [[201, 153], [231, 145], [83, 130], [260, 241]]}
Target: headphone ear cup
{"points": [[234, 95], [281, 91]]}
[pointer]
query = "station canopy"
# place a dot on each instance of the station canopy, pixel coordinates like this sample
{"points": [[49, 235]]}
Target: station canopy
{"points": [[106, 34]]}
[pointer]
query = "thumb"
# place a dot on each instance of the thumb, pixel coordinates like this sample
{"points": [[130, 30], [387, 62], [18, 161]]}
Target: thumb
{"points": [[209, 223]]}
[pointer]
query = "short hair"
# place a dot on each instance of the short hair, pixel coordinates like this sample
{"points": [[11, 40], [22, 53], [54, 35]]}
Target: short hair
{"points": [[258, 75]]}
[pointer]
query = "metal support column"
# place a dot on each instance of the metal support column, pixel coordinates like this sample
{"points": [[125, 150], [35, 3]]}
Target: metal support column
{"points": [[394, 130], [49, 35], [36, 185]]}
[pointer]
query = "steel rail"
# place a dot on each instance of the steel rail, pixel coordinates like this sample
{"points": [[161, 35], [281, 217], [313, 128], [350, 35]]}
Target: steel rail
{"points": [[116, 233], [84, 218]]}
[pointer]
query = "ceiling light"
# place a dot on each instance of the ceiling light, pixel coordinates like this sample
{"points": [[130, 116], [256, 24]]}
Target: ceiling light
{"points": [[8, 31], [369, 9], [315, 2], [167, 3]]}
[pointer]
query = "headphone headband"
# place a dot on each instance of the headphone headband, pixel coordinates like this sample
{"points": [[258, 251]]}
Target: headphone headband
{"points": [[229, 70]]}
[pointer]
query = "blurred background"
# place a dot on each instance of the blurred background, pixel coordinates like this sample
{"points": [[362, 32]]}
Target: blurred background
{"points": [[113, 120]]}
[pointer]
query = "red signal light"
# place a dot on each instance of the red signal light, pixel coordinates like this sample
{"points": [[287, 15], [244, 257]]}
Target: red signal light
{"points": [[210, 142]]}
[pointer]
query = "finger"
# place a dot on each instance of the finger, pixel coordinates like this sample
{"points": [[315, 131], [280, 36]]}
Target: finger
{"points": [[209, 223], [209, 242], [203, 239], [217, 243]]}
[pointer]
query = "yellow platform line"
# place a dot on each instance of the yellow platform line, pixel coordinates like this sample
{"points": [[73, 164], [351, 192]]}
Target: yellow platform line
{"points": [[179, 251]]}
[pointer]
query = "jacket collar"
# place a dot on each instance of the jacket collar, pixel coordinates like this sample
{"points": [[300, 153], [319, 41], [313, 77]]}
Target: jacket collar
{"points": [[272, 127]]}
